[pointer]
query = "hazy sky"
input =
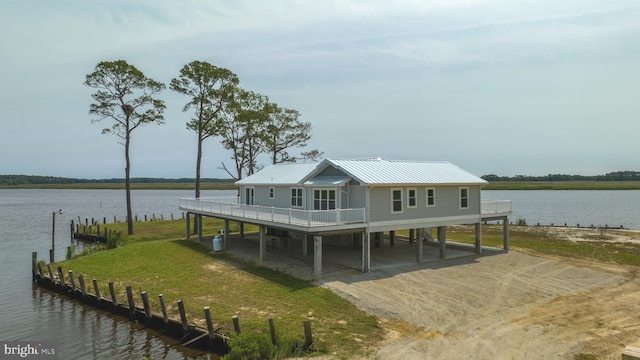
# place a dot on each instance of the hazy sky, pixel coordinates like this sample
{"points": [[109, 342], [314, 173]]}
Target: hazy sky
{"points": [[495, 86]]}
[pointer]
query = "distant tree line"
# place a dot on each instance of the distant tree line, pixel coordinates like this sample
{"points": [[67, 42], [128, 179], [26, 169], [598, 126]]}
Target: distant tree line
{"points": [[13, 180], [612, 176]]}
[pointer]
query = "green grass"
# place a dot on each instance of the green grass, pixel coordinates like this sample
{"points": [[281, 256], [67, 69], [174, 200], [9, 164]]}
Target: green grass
{"points": [[158, 260], [541, 240], [563, 185]]}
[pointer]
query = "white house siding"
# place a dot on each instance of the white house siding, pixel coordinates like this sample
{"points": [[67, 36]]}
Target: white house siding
{"points": [[447, 204]]}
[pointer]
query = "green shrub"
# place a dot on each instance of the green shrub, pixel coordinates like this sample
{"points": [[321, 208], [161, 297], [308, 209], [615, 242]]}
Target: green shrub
{"points": [[521, 222], [250, 346], [112, 241], [70, 251]]}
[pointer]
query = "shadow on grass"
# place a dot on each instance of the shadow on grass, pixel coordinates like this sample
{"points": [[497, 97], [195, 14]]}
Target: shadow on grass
{"points": [[277, 277]]}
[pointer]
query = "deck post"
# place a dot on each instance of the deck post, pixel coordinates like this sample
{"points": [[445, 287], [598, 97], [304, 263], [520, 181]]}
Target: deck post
{"points": [[225, 237], [263, 245], [505, 233], [241, 226], [412, 235], [305, 245], [392, 238], [442, 238], [420, 247], [188, 226], [366, 252], [199, 227], [317, 257], [478, 238]]}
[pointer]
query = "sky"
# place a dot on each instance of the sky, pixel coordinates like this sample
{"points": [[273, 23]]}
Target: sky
{"points": [[506, 87]]}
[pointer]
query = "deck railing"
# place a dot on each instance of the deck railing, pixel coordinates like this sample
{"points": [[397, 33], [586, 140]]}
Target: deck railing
{"points": [[309, 218], [496, 207]]}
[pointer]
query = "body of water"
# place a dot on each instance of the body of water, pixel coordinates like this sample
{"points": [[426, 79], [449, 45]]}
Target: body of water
{"points": [[31, 314]]}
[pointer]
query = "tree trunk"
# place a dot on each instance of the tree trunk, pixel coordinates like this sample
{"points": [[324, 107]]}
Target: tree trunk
{"points": [[127, 184], [198, 162]]}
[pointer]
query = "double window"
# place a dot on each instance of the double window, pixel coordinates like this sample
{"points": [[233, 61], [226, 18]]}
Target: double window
{"points": [[296, 197], [324, 199], [271, 193]]}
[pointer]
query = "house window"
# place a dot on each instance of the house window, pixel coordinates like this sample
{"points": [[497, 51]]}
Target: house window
{"points": [[271, 193], [412, 200], [249, 196], [324, 199], [431, 197], [396, 200], [296, 197], [464, 198]]}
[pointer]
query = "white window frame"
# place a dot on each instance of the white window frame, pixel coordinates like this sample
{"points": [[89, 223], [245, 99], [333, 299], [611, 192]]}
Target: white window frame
{"points": [[409, 198], [393, 201], [462, 199], [250, 195], [433, 190], [272, 192], [327, 200], [299, 195]]}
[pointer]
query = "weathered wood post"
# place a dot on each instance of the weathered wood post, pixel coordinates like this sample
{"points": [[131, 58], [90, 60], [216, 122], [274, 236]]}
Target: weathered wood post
{"points": [[114, 299], [83, 289], [34, 265], [71, 227], [97, 290], [183, 316], [236, 323], [163, 307], [60, 276], [40, 271], [145, 303], [272, 331], [50, 273], [308, 337], [207, 316], [132, 305], [53, 236], [72, 281]]}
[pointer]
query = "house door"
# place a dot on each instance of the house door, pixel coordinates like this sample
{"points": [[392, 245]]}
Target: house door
{"points": [[324, 199], [249, 196]]}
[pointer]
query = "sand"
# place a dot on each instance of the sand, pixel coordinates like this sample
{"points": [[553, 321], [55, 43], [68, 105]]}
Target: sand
{"points": [[499, 305]]}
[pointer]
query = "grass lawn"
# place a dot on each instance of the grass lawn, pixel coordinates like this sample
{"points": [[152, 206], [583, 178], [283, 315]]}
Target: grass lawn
{"points": [[158, 260]]}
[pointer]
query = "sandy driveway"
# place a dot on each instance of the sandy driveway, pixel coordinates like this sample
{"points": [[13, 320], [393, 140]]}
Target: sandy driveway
{"points": [[496, 306], [504, 306]]}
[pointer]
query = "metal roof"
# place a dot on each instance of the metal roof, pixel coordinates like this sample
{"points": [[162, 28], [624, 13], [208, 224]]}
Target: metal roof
{"points": [[279, 174], [373, 171], [377, 171]]}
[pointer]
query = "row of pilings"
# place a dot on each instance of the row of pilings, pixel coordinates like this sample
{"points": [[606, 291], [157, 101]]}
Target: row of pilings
{"points": [[189, 335]]}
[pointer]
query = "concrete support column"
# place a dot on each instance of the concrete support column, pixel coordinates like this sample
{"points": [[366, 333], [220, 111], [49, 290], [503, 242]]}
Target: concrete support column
{"points": [[392, 238], [317, 257], [241, 225], [479, 238], [412, 236], [366, 251], [505, 233], [420, 247], [263, 245], [225, 239], [442, 239], [188, 226], [305, 245]]}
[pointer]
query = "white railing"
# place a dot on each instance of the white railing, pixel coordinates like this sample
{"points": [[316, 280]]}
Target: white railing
{"points": [[308, 218], [496, 207]]}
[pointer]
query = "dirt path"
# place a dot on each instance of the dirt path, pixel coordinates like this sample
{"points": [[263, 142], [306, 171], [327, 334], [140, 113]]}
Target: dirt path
{"points": [[505, 306]]}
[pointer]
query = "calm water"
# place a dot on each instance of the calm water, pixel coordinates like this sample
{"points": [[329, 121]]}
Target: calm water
{"points": [[32, 314], [612, 208]]}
